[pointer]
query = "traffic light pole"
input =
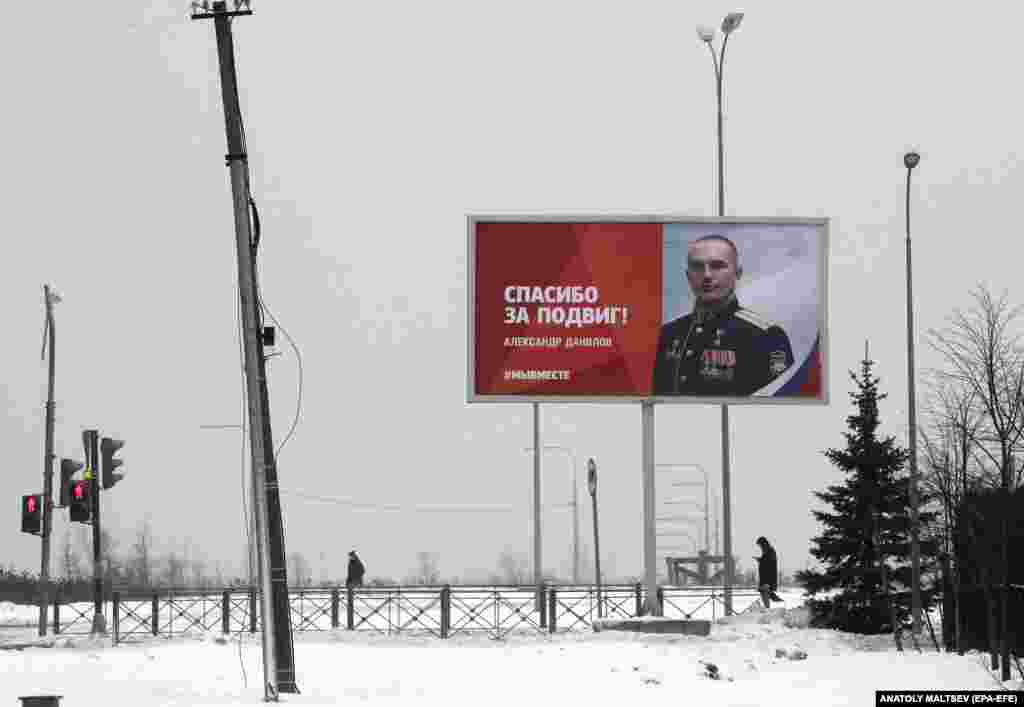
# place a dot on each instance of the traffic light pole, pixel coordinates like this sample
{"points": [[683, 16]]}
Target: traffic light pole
{"points": [[44, 571], [92, 455], [278, 655]]}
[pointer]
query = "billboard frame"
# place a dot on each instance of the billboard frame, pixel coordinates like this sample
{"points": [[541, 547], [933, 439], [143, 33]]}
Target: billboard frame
{"points": [[823, 301]]}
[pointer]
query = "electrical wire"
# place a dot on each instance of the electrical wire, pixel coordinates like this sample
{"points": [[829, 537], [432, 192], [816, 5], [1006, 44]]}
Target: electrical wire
{"points": [[298, 397], [246, 515], [261, 307], [420, 508]]}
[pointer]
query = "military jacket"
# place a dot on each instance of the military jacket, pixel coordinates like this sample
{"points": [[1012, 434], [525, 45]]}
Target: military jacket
{"points": [[731, 352]]}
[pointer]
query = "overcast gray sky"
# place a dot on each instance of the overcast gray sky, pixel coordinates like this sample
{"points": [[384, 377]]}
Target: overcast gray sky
{"points": [[373, 129]]}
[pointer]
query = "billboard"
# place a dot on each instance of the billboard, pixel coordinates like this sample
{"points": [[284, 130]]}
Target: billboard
{"points": [[633, 309]]}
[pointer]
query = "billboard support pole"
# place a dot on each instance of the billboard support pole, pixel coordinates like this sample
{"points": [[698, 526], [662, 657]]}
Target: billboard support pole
{"points": [[651, 606], [538, 566]]}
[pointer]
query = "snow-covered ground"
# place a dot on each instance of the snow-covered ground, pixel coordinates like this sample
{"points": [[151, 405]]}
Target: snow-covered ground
{"points": [[762, 658]]}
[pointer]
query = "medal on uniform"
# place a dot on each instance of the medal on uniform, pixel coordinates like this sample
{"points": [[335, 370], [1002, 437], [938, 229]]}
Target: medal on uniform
{"points": [[777, 362], [718, 364]]}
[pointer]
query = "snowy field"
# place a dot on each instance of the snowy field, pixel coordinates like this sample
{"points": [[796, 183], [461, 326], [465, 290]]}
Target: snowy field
{"points": [[762, 658]]}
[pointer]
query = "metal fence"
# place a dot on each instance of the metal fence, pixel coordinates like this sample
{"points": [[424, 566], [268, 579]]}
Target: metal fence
{"points": [[444, 611]]}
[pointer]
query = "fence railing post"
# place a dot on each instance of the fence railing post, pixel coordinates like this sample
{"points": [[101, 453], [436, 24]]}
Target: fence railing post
{"points": [[661, 601], [56, 612], [117, 617], [225, 612], [335, 600], [154, 616], [639, 600], [543, 607], [252, 610], [446, 607], [350, 609], [552, 609]]}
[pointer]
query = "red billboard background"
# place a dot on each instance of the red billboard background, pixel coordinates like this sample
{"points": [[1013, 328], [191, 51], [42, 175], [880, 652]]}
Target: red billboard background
{"points": [[621, 260]]}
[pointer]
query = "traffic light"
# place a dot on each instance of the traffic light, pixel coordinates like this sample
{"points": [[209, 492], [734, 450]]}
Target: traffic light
{"points": [[108, 448], [32, 514], [68, 468], [80, 501]]}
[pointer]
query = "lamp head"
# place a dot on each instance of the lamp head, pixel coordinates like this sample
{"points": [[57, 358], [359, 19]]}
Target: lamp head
{"points": [[706, 34], [910, 159], [731, 22]]}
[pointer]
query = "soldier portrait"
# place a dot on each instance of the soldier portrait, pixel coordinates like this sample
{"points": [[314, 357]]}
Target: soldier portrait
{"points": [[720, 347]]}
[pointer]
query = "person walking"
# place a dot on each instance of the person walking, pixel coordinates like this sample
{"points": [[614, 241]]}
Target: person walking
{"points": [[767, 573], [356, 570]]}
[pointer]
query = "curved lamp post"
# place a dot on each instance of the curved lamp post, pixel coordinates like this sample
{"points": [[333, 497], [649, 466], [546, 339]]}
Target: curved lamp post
{"points": [[707, 35], [910, 160]]}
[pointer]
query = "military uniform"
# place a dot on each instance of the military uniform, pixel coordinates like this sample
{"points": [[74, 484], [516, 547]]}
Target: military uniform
{"points": [[730, 352]]}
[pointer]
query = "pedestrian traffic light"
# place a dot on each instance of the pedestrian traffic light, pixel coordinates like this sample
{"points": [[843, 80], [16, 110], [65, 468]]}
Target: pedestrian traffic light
{"points": [[79, 501], [68, 468], [32, 514], [108, 448]]}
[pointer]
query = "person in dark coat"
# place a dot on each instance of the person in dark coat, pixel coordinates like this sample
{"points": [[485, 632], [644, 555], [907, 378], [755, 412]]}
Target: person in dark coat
{"points": [[356, 570], [767, 572]]}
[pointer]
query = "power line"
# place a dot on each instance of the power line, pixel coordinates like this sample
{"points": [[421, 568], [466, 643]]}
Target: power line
{"points": [[418, 508]]}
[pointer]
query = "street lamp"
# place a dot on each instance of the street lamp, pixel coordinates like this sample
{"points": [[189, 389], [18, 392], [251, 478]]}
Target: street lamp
{"points": [[910, 160], [592, 488], [707, 35]]}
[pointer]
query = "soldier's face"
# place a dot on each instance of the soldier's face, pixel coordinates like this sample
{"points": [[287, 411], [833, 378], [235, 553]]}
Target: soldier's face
{"points": [[711, 270]]}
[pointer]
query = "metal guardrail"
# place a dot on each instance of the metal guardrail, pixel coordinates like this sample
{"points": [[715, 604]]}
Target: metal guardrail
{"points": [[443, 612]]}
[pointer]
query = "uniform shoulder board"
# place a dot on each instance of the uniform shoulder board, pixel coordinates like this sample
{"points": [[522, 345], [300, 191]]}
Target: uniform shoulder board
{"points": [[755, 319]]}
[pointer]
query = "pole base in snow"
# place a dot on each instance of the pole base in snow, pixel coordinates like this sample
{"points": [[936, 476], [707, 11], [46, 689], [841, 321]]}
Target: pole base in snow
{"points": [[99, 624], [691, 627], [41, 701]]}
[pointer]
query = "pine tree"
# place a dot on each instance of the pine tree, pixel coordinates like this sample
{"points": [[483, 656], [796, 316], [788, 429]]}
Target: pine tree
{"points": [[865, 545]]}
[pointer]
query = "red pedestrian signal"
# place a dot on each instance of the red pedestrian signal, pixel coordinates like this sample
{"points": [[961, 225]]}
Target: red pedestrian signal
{"points": [[80, 502], [32, 514], [68, 468]]}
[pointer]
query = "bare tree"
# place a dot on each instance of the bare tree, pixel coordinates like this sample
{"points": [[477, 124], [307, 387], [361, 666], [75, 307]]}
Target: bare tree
{"points": [[141, 563], [197, 571], [953, 421], [983, 355], [174, 569], [111, 563], [301, 572], [513, 568], [427, 571], [70, 560]]}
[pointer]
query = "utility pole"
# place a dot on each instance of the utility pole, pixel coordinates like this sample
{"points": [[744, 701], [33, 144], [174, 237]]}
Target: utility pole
{"points": [[91, 440], [278, 650], [50, 298]]}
